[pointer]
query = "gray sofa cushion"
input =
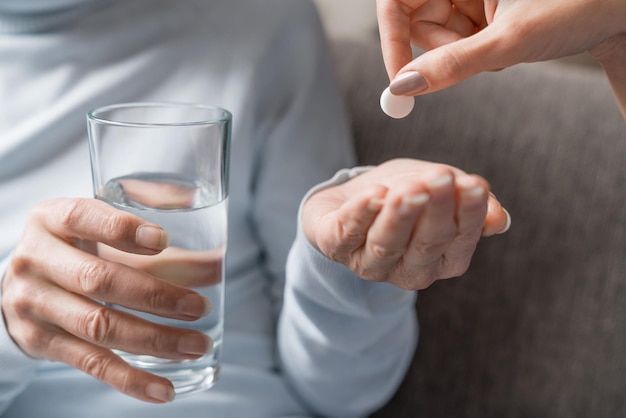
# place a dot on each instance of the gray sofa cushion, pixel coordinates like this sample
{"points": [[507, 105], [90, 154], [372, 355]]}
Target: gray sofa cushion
{"points": [[537, 326]]}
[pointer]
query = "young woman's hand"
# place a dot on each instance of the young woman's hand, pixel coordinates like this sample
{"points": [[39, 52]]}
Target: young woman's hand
{"points": [[465, 37]]}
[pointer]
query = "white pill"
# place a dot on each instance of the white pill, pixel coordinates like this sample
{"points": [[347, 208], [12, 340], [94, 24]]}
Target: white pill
{"points": [[397, 107]]}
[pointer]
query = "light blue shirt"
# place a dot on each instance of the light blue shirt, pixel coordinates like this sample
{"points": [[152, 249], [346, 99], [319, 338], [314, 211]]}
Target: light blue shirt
{"points": [[304, 336]]}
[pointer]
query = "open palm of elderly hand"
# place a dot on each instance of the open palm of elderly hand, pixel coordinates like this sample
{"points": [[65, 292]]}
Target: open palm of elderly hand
{"points": [[406, 222]]}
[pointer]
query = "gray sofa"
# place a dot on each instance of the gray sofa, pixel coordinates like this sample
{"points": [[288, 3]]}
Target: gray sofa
{"points": [[537, 326]]}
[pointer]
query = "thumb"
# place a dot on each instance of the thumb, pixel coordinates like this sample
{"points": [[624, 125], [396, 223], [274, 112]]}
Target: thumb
{"points": [[454, 62]]}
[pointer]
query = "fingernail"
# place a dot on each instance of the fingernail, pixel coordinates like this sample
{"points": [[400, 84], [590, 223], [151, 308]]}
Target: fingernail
{"points": [[375, 204], [194, 344], [409, 203], [408, 83], [160, 392], [508, 222], [469, 188], [442, 181], [152, 237], [473, 192], [193, 305]]}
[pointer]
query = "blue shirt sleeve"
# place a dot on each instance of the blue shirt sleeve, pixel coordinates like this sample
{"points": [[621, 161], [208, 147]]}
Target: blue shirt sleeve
{"points": [[345, 343]]}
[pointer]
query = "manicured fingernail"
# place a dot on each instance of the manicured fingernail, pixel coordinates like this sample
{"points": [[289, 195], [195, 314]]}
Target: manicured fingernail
{"points": [[508, 222], [410, 82], [194, 344], [160, 392], [409, 203], [152, 237], [193, 305]]}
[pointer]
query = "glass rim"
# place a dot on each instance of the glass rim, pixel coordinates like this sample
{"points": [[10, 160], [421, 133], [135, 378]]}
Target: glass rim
{"points": [[93, 116]]}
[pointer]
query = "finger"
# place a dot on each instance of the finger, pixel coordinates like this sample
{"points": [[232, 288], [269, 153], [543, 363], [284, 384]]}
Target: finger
{"points": [[94, 277], [474, 10], [112, 328], [343, 231], [497, 220], [156, 194], [439, 24], [110, 369], [437, 227], [394, 23], [176, 265], [391, 232], [461, 23], [472, 196], [456, 61], [429, 35], [94, 220], [472, 193]]}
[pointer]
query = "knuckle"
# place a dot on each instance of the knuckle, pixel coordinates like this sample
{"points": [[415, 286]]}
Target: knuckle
{"points": [[368, 272], [435, 246], [469, 240], [429, 249], [427, 280], [349, 232], [118, 226], [95, 364], [40, 210], [384, 252], [333, 251], [156, 298], [157, 342], [456, 268], [415, 277], [129, 383], [22, 305], [96, 325], [18, 296], [334, 254], [94, 277], [459, 270], [33, 339], [21, 265], [423, 280], [71, 214]]}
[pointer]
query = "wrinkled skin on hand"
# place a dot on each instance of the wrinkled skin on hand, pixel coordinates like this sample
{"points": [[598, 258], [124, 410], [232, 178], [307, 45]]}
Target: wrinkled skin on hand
{"points": [[406, 222], [55, 284]]}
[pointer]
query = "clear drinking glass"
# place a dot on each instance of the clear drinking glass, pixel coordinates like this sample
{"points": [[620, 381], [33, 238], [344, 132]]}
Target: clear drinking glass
{"points": [[168, 163]]}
